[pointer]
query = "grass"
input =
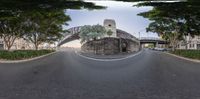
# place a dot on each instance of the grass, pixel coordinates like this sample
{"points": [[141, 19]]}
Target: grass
{"points": [[193, 54], [22, 54]]}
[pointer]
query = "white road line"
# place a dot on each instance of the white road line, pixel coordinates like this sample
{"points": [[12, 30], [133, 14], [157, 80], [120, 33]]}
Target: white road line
{"points": [[109, 59]]}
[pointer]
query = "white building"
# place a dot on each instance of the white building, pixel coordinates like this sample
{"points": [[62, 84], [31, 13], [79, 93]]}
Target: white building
{"points": [[190, 42], [21, 44], [1, 44]]}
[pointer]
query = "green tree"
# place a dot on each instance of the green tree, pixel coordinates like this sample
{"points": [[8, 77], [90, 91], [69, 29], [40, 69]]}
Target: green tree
{"points": [[169, 29], [45, 26], [173, 20], [109, 33], [89, 32], [40, 20], [11, 29]]}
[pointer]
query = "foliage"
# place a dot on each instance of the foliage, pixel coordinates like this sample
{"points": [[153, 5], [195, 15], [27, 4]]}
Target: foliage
{"points": [[194, 54], [22, 54], [11, 29], [184, 13], [37, 21], [88, 32], [109, 32], [25, 5], [44, 26], [173, 20]]}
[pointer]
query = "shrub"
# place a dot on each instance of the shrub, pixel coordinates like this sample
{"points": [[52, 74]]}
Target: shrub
{"points": [[194, 54], [22, 54]]}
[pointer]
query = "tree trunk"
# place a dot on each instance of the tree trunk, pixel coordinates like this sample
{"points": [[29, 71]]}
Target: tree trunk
{"points": [[8, 48], [36, 46], [9, 41]]}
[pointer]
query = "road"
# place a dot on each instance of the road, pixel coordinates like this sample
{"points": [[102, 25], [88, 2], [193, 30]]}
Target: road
{"points": [[65, 75]]}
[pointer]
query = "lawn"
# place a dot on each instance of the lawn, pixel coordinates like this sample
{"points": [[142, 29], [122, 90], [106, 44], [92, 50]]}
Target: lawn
{"points": [[22, 54], [194, 54]]}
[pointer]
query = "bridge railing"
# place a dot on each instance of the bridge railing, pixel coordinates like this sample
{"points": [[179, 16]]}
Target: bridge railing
{"points": [[150, 38]]}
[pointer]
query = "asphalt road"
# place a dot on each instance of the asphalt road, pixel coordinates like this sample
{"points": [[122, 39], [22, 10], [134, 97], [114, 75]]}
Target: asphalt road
{"points": [[65, 75]]}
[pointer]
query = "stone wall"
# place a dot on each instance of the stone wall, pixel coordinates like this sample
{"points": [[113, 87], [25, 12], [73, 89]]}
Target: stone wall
{"points": [[108, 46]]}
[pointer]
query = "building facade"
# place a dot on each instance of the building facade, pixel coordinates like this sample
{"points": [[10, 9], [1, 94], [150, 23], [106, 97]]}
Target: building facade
{"points": [[21, 44], [192, 43], [1, 44]]}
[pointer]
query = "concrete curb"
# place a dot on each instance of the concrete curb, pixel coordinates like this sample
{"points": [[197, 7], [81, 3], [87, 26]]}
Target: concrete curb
{"points": [[184, 58], [108, 59], [26, 60]]}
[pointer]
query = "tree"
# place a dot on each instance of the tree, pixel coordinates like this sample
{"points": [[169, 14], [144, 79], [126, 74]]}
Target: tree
{"points": [[89, 32], [173, 20], [11, 29], [40, 20], [109, 32], [169, 29], [45, 26]]}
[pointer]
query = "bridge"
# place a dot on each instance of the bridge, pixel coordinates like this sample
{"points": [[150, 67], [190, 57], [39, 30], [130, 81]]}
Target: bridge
{"points": [[152, 40], [74, 35]]}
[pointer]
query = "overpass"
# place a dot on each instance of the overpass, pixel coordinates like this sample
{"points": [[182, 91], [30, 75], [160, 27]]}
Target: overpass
{"points": [[152, 40], [74, 35]]}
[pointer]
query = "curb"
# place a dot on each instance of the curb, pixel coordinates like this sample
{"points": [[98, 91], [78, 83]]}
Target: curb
{"points": [[96, 59], [26, 60], [184, 58]]}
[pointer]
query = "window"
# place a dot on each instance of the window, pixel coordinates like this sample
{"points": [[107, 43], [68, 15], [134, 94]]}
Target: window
{"points": [[191, 45], [109, 25]]}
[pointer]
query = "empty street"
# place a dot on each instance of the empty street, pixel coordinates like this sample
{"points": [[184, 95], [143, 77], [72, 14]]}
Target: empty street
{"points": [[66, 75]]}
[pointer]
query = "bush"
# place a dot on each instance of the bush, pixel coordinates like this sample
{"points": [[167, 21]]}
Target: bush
{"points": [[194, 54], [22, 54]]}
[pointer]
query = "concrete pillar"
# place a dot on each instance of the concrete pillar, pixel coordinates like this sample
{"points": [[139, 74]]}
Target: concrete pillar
{"points": [[156, 44]]}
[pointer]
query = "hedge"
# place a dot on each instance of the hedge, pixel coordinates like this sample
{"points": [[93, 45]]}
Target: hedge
{"points": [[194, 54], [22, 54]]}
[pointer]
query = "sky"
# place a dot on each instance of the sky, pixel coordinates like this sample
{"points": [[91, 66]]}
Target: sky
{"points": [[124, 14]]}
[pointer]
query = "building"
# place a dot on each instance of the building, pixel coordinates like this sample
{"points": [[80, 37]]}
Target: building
{"points": [[190, 42], [119, 42], [1, 44], [21, 44]]}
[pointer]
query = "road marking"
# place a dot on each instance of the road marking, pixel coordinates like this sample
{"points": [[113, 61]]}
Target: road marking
{"points": [[108, 59], [183, 58]]}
